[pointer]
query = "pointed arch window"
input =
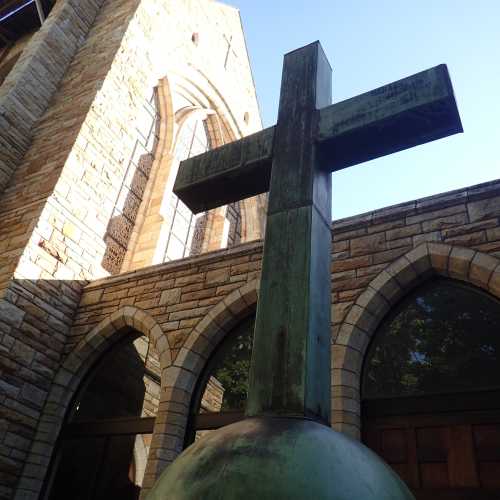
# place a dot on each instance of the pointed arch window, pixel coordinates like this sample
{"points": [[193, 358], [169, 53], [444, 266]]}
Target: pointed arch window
{"points": [[104, 444], [221, 393], [186, 230], [443, 338]]}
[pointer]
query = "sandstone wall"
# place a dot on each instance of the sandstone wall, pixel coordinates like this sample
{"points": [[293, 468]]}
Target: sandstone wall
{"points": [[67, 161], [29, 87], [189, 305]]}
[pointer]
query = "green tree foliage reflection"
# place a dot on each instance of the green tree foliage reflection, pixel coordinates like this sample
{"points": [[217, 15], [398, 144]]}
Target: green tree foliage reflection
{"points": [[232, 365], [445, 337]]}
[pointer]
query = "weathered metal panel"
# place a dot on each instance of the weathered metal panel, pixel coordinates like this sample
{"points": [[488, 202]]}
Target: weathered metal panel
{"points": [[278, 459], [412, 111], [226, 174], [291, 355]]}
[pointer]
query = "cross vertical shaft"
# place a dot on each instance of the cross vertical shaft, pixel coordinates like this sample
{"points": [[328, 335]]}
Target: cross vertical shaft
{"points": [[290, 369]]}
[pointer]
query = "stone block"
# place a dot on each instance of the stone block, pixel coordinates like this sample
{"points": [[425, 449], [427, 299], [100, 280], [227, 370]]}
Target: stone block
{"points": [[390, 255], [403, 232], [459, 262], [353, 337], [352, 263], [190, 279], [169, 297], [190, 313], [494, 283], [434, 236], [386, 226], [466, 240], [341, 376], [445, 222], [484, 209], [200, 294], [368, 244], [419, 259], [469, 228], [183, 306], [387, 286], [340, 246], [481, 269], [347, 235], [362, 318], [434, 214], [374, 302], [439, 255], [91, 297], [190, 360], [218, 276], [401, 242], [493, 234], [339, 310], [403, 272]]}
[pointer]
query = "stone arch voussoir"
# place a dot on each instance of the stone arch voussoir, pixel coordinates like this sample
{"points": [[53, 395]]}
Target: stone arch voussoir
{"points": [[382, 293], [180, 377], [76, 366]]}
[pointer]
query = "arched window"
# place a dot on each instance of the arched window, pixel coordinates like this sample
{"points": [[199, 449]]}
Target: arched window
{"points": [[431, 391], [104, 444], [186, 230], [187, 234], [188, 123], [221, 393], [131, 192], [444, 337]]}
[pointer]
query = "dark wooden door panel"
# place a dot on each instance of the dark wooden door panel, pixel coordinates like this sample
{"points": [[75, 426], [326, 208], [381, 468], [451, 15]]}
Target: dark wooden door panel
{"points": [[441, 456], [456, 494]]}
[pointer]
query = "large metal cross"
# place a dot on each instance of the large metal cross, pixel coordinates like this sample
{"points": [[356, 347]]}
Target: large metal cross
{"points": [[290, 368]]}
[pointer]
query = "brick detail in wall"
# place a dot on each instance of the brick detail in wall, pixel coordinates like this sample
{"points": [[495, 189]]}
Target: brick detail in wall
{"points": [[55, 210], [29, 87], [192, 302]]}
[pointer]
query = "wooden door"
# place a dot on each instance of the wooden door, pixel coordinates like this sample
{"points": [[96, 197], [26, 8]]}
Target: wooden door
{"points": [[443, 447]]}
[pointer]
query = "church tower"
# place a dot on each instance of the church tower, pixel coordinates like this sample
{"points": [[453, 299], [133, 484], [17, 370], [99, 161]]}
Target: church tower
{"points": [[100, 100], [126, 321]]}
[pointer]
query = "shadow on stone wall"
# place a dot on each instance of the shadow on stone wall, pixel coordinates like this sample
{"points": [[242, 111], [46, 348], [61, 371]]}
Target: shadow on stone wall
{"points": [[124, 216], [55, 136]]}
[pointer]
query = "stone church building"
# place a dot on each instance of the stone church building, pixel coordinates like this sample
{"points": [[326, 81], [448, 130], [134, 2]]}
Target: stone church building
{"points": [[126, 321]]}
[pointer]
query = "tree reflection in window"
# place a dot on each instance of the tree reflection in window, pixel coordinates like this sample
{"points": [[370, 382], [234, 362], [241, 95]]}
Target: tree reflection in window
{"points": [[225, 380], [222, 388], [444, 337]]}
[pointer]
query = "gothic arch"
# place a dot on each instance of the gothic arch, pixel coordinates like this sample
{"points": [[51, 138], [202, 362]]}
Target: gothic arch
{"points": [[222, 127], [383, 292], [73, 370], [179, 379]]}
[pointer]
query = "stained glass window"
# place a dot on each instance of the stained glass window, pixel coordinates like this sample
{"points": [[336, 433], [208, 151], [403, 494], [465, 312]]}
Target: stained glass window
{"points": [[443, 338]]}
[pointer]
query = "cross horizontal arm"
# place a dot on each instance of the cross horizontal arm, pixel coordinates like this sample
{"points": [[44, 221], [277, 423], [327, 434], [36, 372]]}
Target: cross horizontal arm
{"points": [[226, 174], [412, 111]]}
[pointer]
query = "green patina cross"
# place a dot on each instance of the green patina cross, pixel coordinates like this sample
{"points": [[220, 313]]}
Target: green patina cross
{"points": [[290, 370]]}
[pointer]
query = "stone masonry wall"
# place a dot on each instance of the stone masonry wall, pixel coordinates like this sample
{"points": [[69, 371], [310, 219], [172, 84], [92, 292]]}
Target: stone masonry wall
{"points": [[180, 293], [194, 301], [366, 244], [30, 85], [60, 197], [191, 303]]}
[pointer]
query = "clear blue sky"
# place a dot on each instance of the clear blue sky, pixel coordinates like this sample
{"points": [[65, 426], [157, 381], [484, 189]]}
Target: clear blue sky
{"points": [[373, 42]]}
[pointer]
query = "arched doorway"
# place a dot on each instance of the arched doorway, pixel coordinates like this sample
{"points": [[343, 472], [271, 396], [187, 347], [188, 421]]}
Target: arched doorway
{"points": [[221, 392], [103, 445], [431, 392]]}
